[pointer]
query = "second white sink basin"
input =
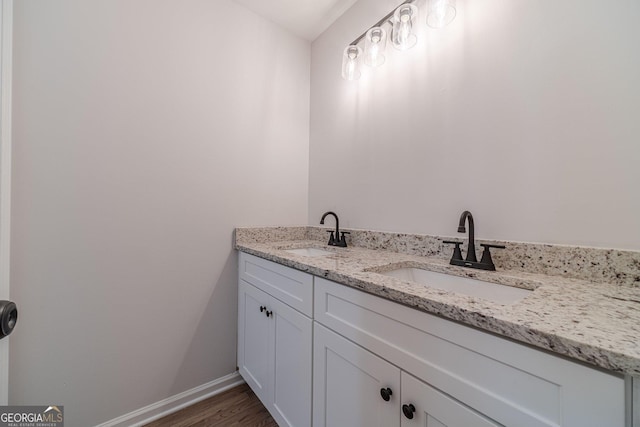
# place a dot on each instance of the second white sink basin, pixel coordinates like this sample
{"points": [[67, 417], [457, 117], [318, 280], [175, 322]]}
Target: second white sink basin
{"points": [[309, 252], [462, 285]]}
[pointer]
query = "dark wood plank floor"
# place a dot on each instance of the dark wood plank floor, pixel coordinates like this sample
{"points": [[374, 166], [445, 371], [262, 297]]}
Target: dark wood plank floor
{"points": [[237, 407]]}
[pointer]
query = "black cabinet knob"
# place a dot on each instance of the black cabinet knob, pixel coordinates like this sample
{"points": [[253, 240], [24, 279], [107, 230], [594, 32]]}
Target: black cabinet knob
{"points": [[386, 394], [262, 308], [269, 313], [408, 410]]}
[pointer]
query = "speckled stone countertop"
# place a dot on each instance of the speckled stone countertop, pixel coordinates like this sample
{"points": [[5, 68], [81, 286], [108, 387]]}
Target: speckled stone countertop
{"points": [[594, 322]]}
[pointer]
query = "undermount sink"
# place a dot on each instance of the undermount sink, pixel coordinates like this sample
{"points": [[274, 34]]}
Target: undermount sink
{"points": [[309, 252], [462, 285]]}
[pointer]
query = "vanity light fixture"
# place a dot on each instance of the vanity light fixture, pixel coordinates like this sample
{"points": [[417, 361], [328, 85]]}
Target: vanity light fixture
{"points": [[351, 63], [404, 20], [440, 13], [374, 44], [401, 23]]}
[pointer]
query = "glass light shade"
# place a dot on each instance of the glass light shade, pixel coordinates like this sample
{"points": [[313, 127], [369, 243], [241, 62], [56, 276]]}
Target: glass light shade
{"points": [[403, 36], [351, 63], [440, 12], [374, 44]]}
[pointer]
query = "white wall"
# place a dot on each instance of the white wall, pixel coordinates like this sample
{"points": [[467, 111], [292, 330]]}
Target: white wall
{"points": [[524, 112], [144, 131]]}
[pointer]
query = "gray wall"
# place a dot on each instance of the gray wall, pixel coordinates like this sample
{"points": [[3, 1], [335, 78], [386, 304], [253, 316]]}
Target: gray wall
{"points": [[524, 112], [144, 131]]}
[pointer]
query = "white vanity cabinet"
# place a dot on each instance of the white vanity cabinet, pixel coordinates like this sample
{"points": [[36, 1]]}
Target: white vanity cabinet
{"points": [[376, 363], [442, 364], [275, 337]]}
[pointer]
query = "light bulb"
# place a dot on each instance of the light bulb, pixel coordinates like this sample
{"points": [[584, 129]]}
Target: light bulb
{"points": [[403, 19], [351, 63], [441, 13], [374, 45]]}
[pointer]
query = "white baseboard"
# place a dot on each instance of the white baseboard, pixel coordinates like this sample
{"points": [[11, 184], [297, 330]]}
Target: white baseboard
{"points": [[174, 403]]}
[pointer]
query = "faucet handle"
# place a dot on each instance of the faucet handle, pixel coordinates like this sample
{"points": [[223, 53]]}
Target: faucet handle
{"points": [[457, 254], [343, 240], [486, 255], [332, 239], [487, 245]]}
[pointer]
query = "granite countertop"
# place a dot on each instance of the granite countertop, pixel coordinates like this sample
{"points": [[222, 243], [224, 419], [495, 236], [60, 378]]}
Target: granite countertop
{"points": [[597, 323]]}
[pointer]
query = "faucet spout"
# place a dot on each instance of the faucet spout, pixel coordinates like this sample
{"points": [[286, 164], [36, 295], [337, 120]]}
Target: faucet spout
{"points": [[337, 221], [471, 246]]}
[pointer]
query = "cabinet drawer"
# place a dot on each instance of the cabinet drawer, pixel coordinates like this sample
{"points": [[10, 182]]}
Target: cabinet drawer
{"points": [[290, 286], [511, 383]]}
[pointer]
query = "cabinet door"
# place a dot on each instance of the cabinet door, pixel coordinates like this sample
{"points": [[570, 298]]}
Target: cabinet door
{"points": [[430, 408], [347, 380], [255, 342], [292, 366]]}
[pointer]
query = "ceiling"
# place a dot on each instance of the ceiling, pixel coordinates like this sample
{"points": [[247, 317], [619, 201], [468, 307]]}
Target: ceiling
{"points": [[305, 18]]}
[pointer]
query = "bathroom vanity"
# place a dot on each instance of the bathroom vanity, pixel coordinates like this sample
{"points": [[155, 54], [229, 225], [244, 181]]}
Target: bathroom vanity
{"points": [[325, 338]]}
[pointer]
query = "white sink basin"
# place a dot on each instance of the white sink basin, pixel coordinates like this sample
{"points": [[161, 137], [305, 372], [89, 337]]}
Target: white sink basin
{"points": [[461, 285], [310, 252]]}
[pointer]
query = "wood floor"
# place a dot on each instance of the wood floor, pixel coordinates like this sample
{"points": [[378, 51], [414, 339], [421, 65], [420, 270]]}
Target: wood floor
{"points": [[237, 407]]}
